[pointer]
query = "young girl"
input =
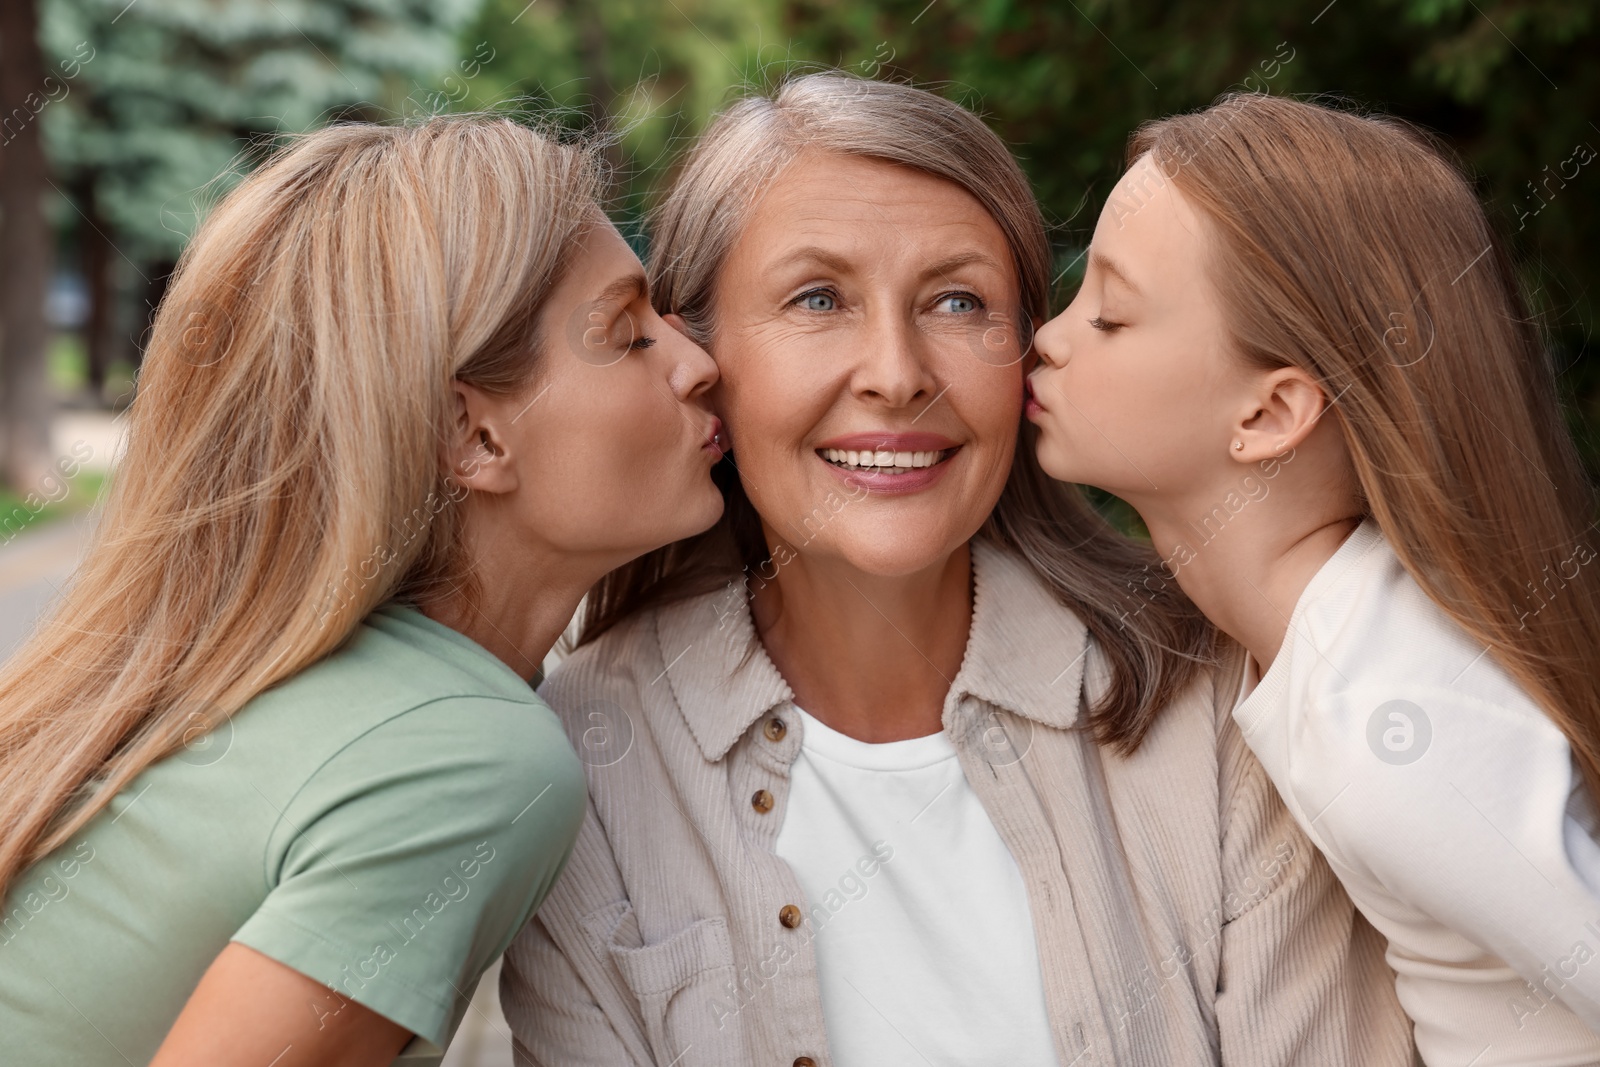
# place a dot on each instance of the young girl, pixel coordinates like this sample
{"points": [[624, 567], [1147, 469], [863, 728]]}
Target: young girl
{"points": [[273, 785], [1299, 354]]}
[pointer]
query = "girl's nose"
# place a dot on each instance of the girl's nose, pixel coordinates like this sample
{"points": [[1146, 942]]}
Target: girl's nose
{"points": [[1051, 342]]}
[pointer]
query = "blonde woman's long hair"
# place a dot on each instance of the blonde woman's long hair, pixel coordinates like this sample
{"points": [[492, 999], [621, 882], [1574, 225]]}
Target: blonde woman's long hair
{"points": [[284, 471], [1352, 247], [1154, 640]]}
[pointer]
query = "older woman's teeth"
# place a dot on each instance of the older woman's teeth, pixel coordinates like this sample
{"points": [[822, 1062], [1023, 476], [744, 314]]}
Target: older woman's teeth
{"points": [[882, 462]]}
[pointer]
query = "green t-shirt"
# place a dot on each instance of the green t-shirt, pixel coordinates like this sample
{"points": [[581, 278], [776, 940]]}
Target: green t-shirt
{"points": [[384, 822]]}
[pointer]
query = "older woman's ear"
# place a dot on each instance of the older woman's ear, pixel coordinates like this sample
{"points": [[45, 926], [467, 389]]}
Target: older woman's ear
{"points": [[675, 320]]}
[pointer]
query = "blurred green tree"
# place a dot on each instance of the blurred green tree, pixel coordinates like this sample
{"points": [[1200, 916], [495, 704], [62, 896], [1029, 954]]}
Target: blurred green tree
{"points": [[174, 96], [651, 72], [178, 88]]}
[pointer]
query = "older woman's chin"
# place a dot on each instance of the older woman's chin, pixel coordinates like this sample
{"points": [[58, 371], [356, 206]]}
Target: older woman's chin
{"points": [[897, 551]]}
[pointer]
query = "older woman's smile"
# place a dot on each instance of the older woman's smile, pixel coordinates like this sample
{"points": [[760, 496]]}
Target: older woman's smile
{"points": [[888, 462]]}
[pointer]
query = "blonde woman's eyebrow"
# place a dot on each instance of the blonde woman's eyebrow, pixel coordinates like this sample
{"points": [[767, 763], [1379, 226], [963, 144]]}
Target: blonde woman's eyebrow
{"points": [[623, 291]]}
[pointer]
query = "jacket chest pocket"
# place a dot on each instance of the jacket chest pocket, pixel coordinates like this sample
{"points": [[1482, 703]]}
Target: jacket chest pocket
{"points": [[684, 985]]}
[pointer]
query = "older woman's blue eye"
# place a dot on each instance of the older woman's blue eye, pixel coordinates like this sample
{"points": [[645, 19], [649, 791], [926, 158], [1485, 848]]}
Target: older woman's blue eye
{"points": [[817, 301], [960, 303]]}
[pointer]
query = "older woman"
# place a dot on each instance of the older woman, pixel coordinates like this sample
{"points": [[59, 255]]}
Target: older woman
{"points": [[903, 763]]}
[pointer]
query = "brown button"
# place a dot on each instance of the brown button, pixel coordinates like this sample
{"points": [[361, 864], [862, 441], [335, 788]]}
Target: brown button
{"points": [[789, 915], [775, 729], [762, 801], [804, 1061]]}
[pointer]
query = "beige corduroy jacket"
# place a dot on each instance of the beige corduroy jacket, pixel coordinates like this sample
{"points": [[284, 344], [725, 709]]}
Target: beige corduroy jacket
{"points": [[1181, 916]]}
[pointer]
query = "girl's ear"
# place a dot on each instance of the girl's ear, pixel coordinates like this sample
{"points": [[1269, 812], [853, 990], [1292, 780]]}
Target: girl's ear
{"points": [[1289, 405], [478, 449]]}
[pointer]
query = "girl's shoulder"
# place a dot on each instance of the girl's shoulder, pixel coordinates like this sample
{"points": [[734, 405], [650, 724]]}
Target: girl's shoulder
{"points": [[1365, 630]]}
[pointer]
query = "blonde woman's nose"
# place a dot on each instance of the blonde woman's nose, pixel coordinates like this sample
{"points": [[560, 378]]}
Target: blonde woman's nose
{"points": [[693, 371]]}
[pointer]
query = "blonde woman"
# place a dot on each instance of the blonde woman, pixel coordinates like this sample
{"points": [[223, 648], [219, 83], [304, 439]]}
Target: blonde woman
{"points": [[274, 787], [892, 767], [1298, 352]]}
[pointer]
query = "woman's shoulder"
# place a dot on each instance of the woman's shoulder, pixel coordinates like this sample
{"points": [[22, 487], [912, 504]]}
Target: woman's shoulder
{"points": [[398, 658], [407, 693], [630, 657], [454, 815], [1021, 627], [618, 657]]}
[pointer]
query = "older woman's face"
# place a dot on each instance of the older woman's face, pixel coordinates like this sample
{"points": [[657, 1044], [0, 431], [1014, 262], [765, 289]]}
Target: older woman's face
{"points": [[871, 368]]}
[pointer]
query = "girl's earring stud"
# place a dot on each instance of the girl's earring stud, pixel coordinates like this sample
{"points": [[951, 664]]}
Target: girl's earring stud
{"points": [[1238, 446]]}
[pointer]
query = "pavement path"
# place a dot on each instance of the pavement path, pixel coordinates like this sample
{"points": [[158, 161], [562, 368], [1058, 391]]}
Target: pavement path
{"points": [[33, 569]]}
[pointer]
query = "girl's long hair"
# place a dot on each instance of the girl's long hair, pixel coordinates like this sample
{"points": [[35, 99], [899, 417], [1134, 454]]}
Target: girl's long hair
{"points": [[1154, 640], [284, 469], [1352, 247]]}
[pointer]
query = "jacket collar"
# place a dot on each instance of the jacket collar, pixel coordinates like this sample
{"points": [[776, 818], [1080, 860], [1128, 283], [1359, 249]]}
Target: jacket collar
{"points": [[1025, 653]]}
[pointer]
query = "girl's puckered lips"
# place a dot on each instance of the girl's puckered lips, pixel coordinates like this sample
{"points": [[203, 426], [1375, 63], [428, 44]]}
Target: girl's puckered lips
{"points": [[1030, 400]]}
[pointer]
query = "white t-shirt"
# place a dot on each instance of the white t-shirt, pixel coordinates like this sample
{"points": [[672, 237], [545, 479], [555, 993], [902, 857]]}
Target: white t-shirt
{"points": [[1447, 803], [926, 955]]}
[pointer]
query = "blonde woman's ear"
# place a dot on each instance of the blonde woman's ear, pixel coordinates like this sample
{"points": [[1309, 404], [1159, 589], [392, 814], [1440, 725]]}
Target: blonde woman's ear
{"points": [[675, 320], [480, 456]]}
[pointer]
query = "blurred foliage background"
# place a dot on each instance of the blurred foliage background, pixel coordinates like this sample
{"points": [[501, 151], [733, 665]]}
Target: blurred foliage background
{"points": [[141, 113]]}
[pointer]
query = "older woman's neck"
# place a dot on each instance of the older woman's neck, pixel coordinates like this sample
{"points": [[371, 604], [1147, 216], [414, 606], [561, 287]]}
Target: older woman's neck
{"points": [[871, 656]]}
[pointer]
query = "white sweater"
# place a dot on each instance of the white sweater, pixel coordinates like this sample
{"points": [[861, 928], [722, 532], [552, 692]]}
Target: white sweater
{"points": [[1448, 804]]}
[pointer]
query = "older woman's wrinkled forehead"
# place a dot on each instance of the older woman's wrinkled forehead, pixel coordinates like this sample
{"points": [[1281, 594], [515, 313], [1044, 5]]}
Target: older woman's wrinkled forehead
{"points": [[849, 213], [737, 161]]}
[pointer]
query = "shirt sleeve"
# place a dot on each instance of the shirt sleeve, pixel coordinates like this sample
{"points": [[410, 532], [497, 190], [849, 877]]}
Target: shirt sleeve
{"points": [[1470, 825], [408, 861]]}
